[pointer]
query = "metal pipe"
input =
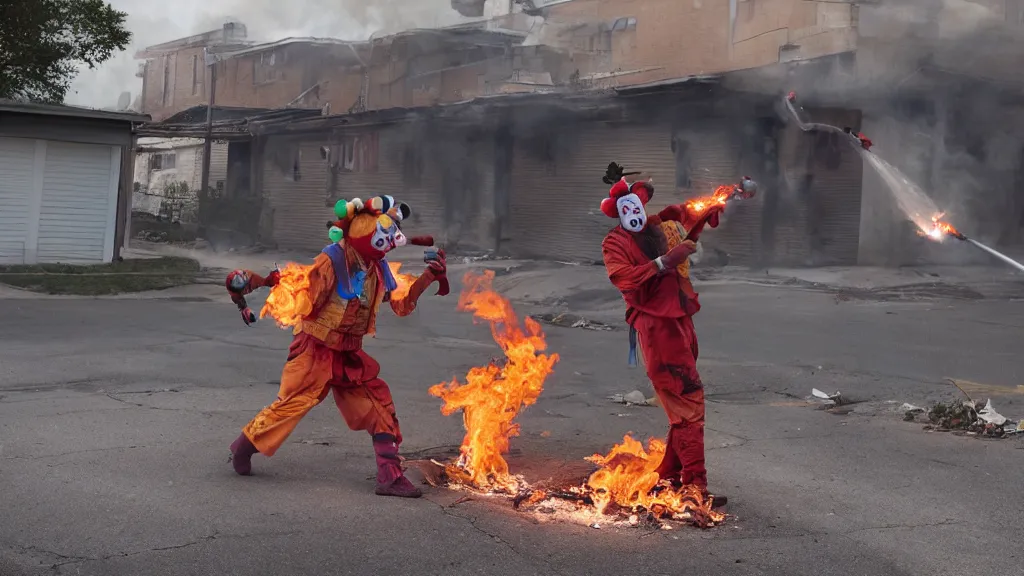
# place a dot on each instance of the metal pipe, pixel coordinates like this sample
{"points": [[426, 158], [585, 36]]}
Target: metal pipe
{"points": [[208, 142], [999, 255]]}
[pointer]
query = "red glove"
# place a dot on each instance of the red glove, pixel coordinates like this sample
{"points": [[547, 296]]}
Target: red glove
{"points": [[248, 316], [678, 255], [438, 267], [272, 279]]}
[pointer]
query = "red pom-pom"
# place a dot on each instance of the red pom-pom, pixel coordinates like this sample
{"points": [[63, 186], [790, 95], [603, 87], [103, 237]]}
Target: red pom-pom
{"points": [[609, 208], [621, 188]]}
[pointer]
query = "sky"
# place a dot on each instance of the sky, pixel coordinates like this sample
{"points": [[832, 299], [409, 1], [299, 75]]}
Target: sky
{"points": [[156, 21]]}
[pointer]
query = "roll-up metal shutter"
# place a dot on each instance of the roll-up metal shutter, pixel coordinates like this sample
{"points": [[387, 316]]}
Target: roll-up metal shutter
{"points": [[838, 173], [17, 157], [294, 180], [79, 203], [554, 209], [556, 196]]}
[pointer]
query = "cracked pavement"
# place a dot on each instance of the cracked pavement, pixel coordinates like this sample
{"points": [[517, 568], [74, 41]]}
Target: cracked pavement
{"points": [[116, 414]]}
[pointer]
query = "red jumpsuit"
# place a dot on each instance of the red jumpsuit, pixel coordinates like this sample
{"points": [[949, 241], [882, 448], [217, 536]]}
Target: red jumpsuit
{"points": [[660, 305]]}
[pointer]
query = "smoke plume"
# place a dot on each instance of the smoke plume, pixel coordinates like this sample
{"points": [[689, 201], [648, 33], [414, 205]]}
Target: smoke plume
{"points": [[156, 21]]}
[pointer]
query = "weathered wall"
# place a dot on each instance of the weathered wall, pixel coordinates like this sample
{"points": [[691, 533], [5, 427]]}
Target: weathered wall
{"points": [[679, 38]]}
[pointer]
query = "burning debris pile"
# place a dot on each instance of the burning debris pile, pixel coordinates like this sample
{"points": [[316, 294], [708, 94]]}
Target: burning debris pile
{"points": [[492, 396], [625, 486]]}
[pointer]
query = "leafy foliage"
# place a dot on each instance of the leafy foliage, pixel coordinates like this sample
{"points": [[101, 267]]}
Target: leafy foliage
{"points": [[43, 42]]}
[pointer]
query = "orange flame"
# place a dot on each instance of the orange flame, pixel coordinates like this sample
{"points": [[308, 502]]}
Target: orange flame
{"points": [[288, 302], [492, 396], [404, 281], [939, 230], [627, 478], [697, 206]]}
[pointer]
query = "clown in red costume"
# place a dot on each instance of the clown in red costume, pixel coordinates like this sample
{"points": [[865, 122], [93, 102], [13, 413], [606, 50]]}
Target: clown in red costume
{"points": [[647, 257], [340, 295]]}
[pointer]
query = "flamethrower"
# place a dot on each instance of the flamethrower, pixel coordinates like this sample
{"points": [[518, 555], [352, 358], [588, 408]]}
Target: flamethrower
{"points": [[746, 189], [940, 230], [857, 139]]}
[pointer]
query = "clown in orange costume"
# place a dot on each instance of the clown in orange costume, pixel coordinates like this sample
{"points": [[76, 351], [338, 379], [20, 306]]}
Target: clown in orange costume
{"points": [[647, 258], [348, 282]]}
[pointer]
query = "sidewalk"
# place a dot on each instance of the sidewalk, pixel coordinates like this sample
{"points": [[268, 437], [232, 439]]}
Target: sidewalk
{"points": [[586, 287]]}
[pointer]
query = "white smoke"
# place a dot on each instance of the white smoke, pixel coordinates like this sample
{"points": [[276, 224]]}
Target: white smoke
{"points": [[156, 21]]}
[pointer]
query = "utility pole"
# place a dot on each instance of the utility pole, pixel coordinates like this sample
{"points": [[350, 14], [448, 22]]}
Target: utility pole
{"points": [[207, 143]]}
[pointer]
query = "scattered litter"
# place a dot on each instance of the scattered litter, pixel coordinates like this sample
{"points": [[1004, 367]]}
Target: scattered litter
{"points": [[907, 407], [833, 399], [990, 416], [963, 416], [567, 320], [634, 398], [596, 526]]}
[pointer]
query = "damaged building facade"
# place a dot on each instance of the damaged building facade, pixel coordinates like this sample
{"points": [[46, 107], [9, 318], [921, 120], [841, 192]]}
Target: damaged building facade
{"points": [[550, 92]]}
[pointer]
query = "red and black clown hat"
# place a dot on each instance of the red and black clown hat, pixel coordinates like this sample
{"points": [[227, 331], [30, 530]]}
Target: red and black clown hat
{"points": [[616, 176]]}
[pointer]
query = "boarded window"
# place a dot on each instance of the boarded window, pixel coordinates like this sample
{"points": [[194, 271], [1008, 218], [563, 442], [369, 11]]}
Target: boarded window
{"points": [[358, 153], [197, 76], [265, 68], [165, 94], [163, 161]]}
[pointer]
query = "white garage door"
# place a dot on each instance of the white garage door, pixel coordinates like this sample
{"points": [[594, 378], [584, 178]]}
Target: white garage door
{"points": [[76, 218], [17, 156]]}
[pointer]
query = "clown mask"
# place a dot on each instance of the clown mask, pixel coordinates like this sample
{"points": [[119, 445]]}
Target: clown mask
{"points": [[373, 236], [632, 215]]}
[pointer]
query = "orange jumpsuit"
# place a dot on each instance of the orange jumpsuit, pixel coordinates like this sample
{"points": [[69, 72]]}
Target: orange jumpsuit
{"points": [[327, 355], [660, 305]]}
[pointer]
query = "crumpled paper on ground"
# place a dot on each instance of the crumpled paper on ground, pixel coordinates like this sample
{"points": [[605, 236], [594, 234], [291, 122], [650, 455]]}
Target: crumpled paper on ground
{"points": [[634, 398]]}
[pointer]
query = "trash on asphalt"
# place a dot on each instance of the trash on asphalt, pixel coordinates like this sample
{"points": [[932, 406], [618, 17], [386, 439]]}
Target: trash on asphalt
{"points": [[830, 399], [634, 398]]}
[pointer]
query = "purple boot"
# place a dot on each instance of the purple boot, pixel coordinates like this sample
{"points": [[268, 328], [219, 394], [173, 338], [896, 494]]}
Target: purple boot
{"points": [[241, 455], [390, 480]]}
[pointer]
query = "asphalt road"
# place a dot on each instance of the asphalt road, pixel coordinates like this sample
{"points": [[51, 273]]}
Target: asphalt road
{"points": [[115, 417]]}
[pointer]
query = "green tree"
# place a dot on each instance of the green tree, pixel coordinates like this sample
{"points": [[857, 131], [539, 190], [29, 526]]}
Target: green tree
{"points": [[43, 43]]}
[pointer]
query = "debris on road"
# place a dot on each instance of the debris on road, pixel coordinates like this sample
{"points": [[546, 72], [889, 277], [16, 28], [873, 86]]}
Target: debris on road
{"points": [[964, 416], [634, 398], [990, 416], [910, 411], [567, 320], [829, 399]]}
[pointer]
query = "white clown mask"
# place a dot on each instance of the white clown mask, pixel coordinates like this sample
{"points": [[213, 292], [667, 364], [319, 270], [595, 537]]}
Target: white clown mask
{"points": [[632, 215]]}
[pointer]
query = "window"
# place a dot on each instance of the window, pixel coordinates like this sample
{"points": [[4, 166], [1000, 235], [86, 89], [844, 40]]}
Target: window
{"points": [[163, 161], [624, 24], [264, 68], [358, 154], [197, 76]]}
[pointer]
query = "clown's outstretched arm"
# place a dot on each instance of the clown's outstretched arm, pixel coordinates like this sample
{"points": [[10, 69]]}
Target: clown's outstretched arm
{"points": [[437, 270], [690, 218], [242, 282]]}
